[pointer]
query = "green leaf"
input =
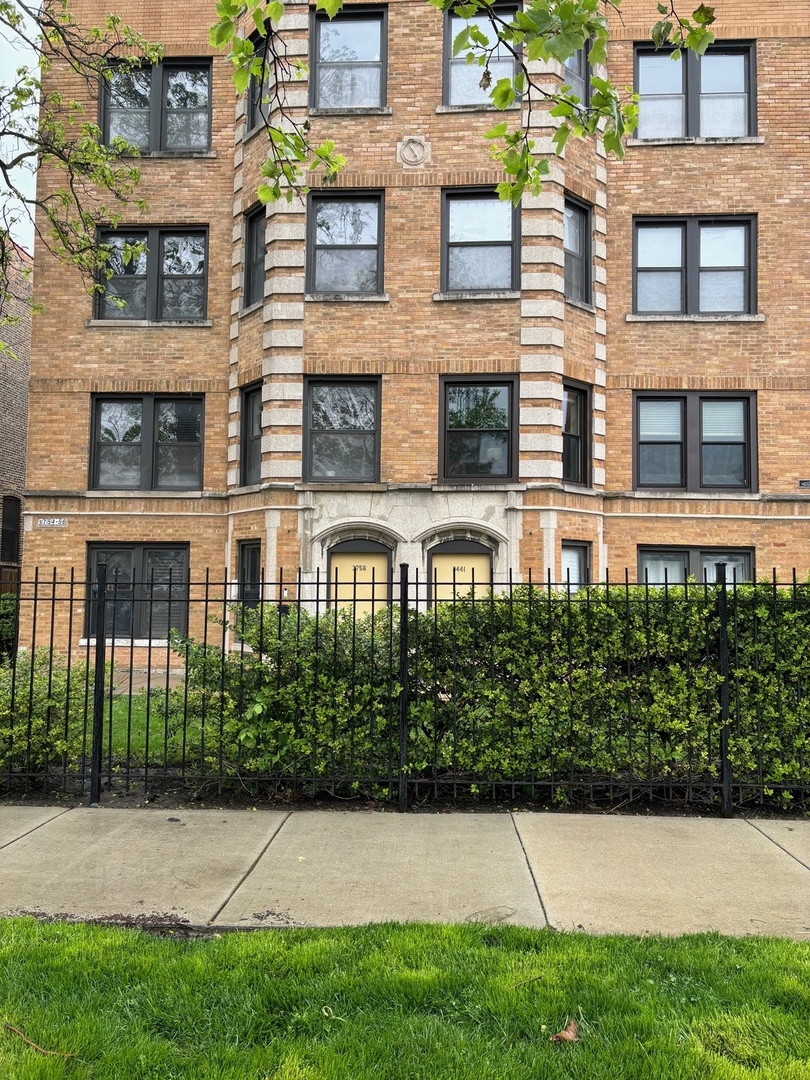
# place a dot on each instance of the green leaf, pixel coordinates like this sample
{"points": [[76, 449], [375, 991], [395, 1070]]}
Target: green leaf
{"points": [[241, 79], [498, 131], [560, 138], [704, 14], [331, 7], [274, 12], [503, 94]]}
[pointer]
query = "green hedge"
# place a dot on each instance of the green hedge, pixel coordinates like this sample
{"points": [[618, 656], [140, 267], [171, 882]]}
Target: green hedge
{"points": [[530, 685], [43, 704]]}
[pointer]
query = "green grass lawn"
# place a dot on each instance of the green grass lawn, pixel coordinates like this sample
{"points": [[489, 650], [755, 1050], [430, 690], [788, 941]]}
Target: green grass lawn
{"points": [[135, 717], [400, 1003]]}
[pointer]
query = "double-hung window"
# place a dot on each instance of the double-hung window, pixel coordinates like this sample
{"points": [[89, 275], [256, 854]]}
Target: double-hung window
{"points": [[258, 105], [155, 275], [575, 563], [672, 566], [462, 80], [575, 434], [477, 436], [349, 71], [709, 96], [695, 265], [478, 242], [343, 430], [10, 529], [255, 247], [163, 107], [577, 250], [147, 443], [696, 442], [250, 572], [146, 590], [251, 428], [345, 251], [577, 74]]}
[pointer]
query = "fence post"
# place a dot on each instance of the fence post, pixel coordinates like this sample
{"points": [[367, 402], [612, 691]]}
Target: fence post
{"points": [[403, 692], [98, 685], [725, 693]]}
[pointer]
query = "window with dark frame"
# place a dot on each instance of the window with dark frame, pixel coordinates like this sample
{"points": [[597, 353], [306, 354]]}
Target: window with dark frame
{"points": [[251, 436], [478, 242], [672, 566], [146, 591], [258, 107], [165, 107], [709, 96], [157, 275], [345, 252], [250, 572], [696, 441], [10, 530], [577, 74], [575, 434], [575, 563], [255, 248], [147, 443], [462, 81], [477, 437], [349, 68], [342, 430], [694, 265], [577, 251]]}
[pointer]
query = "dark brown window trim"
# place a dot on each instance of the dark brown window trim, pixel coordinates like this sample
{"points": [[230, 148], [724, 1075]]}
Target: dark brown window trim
{"points": [[691, 82], [691, 438], [374, 381], [690, 260], [448, 194], [149, 406], [370, 12], [510, 381]]}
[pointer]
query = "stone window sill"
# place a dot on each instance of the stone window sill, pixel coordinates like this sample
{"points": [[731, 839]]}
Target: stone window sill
{"points": [[503, 294], [360, 110], [580, 304], [695, 318], [142, 493], [342, 298], [693, 496], [514, 107], [146, 324], [477, 485], [251, 308], [202, 155], [337, 485], [695, 140]]}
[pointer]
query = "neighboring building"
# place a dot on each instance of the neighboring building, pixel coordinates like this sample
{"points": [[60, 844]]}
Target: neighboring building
{"points": [[399, 368], [15, 358]]}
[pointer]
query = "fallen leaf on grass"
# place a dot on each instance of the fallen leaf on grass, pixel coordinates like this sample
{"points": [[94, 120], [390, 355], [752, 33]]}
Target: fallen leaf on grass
{"points": [[568, 1034]]}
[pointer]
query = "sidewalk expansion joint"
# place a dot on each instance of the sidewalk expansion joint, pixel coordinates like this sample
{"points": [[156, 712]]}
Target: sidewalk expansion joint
{"points": [[531, 873], [250, 869], [41, 825], [777, 844]]}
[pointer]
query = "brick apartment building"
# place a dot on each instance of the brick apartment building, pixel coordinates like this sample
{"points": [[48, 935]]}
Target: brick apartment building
{"points": [[15, 358], [399, 368]]}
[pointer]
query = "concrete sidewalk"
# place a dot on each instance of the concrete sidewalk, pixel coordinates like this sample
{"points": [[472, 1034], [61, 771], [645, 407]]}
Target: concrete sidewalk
{"points": [[225, 868]]}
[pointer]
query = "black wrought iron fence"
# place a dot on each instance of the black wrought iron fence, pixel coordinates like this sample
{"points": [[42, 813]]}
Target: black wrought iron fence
{"points": [[406, 689]]}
